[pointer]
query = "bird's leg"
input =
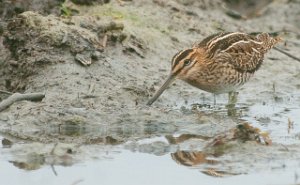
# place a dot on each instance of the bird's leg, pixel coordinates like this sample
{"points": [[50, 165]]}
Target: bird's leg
{"points": [[215, 101], [215, 108], [203, 99], [232, 99]]}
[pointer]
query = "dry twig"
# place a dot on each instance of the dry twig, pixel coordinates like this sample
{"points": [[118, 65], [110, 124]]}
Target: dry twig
{"points": [[287, 54], [5, 92], [19, 97]]}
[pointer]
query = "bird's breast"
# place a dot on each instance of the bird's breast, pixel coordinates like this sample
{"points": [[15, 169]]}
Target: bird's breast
{"points": [[218, 82]]}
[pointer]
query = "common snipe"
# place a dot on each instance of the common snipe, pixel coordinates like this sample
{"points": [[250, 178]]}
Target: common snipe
{"points": [[220, 63]]}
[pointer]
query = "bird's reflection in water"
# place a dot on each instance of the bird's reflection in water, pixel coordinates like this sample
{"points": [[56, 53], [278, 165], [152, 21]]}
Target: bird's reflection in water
{"points": [[204, 150], [184, 137], [191, 158], [194, 158]]}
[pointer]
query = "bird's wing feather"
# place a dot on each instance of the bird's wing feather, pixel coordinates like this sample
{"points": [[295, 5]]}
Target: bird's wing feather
{"points": [[245, 56], [245, 52]]}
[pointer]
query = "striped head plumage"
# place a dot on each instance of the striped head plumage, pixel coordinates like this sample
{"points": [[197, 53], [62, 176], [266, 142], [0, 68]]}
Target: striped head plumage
{"points": [[220, 63]]}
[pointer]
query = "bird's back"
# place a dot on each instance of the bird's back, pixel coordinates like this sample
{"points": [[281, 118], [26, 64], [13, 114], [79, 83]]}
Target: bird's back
{"points": [[230, 60], [244, 51]]}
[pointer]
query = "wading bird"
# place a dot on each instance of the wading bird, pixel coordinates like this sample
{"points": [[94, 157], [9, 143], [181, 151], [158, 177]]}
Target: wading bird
{"points": [[220, 63]]}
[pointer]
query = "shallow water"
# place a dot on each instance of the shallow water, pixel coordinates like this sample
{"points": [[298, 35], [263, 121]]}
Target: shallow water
{"points": [[275, 119], [159, 151], [129, 168], [175, 158]]}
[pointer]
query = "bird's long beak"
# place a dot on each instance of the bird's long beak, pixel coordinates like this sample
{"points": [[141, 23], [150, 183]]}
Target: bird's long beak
{"points": [[169, 80]]}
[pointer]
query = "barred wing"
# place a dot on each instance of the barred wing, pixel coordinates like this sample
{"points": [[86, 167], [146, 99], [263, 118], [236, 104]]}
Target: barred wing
{"points": [[245, 56], [245, 52]]}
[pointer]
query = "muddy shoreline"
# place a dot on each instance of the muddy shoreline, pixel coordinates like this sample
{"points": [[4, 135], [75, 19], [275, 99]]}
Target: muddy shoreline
{"points": [[98, 65]]}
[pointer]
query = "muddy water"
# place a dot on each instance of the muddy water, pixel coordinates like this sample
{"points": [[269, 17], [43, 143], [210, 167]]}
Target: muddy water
{"points": [[166, 155], [123, 167], [119, 166], [135, 168]]}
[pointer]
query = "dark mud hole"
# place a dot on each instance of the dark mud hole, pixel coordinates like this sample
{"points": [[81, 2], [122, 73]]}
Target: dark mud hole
{"points": [[98, 65]]}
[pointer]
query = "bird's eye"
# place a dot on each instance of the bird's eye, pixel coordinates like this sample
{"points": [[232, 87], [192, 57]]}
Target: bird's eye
{"points": [[187, 62]]}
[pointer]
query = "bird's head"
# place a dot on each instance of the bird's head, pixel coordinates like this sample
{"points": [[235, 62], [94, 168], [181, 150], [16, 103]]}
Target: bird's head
{"points": [[182, 62]]}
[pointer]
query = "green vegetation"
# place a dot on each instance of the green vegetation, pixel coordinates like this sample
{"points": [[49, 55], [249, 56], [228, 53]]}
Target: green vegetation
{"points": [[65, 11]]}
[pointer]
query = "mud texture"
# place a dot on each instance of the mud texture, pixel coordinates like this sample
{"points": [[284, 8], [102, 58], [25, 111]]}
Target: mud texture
{"points": [[98, 65]]}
